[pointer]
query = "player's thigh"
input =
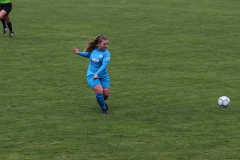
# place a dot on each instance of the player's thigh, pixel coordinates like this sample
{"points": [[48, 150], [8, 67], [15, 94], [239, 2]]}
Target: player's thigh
{"points": [[93, 82], [105, 82], [2, 14]]}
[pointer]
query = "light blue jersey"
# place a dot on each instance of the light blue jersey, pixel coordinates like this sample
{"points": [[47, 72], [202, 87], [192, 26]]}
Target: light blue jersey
{"points": [[99, 60]]}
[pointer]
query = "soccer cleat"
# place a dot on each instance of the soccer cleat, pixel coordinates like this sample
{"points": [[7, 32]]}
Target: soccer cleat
{"points": [[105, 111], [4, 30], [11, 34]]}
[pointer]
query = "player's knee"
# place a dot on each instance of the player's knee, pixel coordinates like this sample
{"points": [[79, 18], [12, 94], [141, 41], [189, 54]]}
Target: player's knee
{"points": [[98, 89], [106, 93], [7, 19], [2, 14]]}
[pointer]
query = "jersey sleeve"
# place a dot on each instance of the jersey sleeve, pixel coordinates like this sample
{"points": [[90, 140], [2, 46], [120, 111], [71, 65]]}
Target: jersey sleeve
{"points": [[84, 54], [105, 63]]}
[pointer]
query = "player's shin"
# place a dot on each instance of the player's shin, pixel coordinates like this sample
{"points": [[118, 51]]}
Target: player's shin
{"points": [[9, 24], [4, 23], [100, 100]]}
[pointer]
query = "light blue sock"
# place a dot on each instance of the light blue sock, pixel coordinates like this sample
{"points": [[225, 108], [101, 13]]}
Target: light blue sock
{"points": [[100, 100]]}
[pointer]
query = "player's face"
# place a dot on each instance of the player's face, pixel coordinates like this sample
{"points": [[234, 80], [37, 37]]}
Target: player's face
{"points": [[103, 45]]}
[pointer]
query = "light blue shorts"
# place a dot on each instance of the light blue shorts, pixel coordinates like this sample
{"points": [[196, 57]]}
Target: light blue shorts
{"points": [[104, 82]]}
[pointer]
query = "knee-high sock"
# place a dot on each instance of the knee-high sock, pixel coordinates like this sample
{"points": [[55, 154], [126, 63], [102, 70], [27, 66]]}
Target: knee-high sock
{"points": [[9, 26], [105, 98], [4, 23], [100, 100]]}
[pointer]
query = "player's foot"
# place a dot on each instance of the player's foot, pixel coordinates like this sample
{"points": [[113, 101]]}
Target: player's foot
{"points": [[105, 111], [11, 34], [4, 30], [106, 106]]}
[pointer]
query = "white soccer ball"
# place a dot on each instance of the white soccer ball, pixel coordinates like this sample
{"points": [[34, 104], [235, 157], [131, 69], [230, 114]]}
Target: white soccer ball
{"points": [[224, 101]]}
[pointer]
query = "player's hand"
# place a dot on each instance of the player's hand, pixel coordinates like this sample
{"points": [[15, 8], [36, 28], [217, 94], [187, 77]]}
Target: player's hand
{"points": [[75, 50], [95, 76]]}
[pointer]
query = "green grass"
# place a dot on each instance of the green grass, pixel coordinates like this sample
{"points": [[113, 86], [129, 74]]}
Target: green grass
{"points": [[170, 62]]}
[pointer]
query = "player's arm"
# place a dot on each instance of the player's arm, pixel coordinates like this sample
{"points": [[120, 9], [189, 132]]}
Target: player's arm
{"points": [[105, 63], [83, 54]]}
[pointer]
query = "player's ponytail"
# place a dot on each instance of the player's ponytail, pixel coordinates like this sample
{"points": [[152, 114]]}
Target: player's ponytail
{"points": [[94, 42]]}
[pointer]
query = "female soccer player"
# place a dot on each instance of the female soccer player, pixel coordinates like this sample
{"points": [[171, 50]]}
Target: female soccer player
{"points": [[97, 74], [6, 7]]}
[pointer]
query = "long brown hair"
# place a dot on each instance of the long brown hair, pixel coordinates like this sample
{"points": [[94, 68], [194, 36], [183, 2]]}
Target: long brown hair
{"points": [[94, 42]]}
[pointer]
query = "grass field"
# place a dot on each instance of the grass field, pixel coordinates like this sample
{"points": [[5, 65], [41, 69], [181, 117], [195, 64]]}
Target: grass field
{"points": [[170, 62]]}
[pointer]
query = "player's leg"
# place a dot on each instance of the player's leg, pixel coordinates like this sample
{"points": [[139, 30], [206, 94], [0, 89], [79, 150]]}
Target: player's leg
{"points": [[2, 14], [97, 88], [106, 93], [4, 26], [100, 98], [9, 24], [105, 82]]}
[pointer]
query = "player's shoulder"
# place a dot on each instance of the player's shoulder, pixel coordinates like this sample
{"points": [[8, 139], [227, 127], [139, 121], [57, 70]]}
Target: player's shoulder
{"points": [[106, 52]]}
